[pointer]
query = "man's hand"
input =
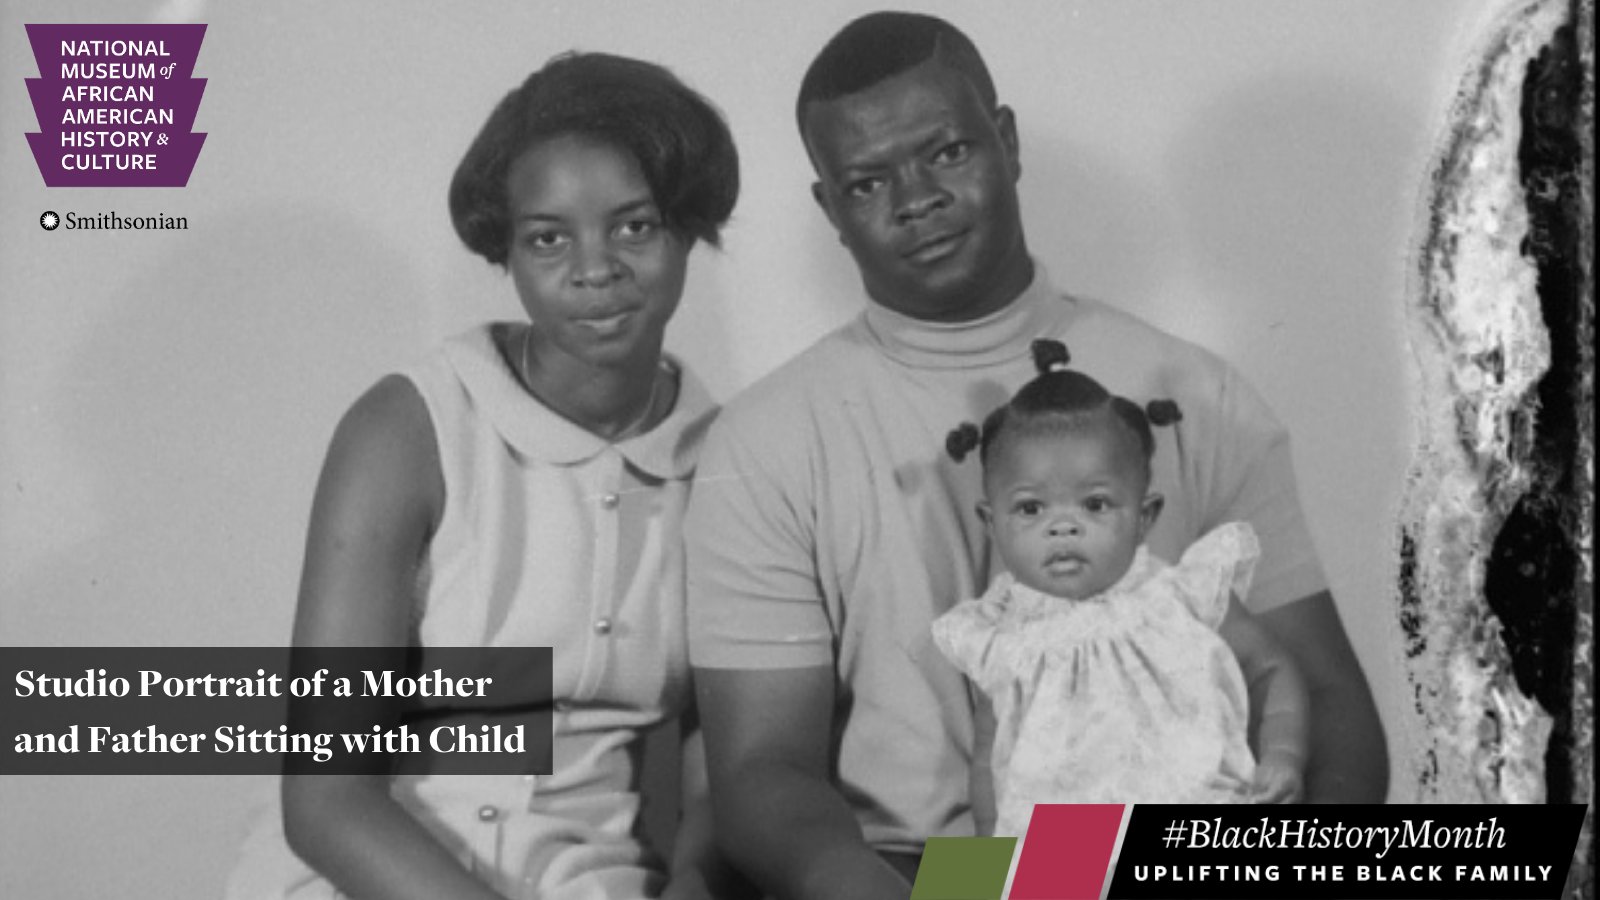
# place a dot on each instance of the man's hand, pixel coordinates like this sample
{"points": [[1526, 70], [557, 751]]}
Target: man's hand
{"points": [[1349, 760]]}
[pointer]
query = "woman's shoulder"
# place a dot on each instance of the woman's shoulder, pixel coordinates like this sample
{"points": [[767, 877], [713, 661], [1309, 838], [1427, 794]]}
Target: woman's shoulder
{"points": [[692, 401], [385, 442]]}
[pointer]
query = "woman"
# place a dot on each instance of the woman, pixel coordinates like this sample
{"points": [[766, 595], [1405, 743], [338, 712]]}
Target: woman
{"points": [[525, 487]]}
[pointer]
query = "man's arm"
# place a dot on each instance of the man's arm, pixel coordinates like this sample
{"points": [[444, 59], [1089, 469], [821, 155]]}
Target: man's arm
{"points": [[980, 779], [698, 869], [779, 816], [1349, 760]]}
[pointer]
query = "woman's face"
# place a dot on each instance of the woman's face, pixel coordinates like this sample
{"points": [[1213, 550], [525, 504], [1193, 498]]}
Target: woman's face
{"points": [[596, 268]]}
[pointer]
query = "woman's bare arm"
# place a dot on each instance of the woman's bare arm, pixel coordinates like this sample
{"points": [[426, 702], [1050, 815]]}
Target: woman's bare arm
{"points": [[377, 501]]}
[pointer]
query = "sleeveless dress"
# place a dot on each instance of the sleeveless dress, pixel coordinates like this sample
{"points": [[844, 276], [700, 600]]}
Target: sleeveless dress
{"points": [[1129, 696], [550, 536]]}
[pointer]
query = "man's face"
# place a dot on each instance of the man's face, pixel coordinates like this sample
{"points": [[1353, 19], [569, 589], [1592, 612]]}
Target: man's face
{"points": [[919, 177]]}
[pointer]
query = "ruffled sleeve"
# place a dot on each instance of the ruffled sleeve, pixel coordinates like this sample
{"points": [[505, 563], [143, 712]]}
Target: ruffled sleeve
{"points": [[965, 634], [1220, 563]]}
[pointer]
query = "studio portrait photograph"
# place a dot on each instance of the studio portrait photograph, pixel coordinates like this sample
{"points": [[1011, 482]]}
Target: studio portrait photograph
{"points": [[545, 450]]}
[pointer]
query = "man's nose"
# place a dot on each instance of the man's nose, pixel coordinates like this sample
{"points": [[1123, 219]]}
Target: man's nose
{"points": [[919, 195]]}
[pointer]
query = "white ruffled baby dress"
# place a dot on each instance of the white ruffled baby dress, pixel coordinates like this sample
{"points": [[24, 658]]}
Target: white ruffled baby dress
{"points": [[1129, 696]]}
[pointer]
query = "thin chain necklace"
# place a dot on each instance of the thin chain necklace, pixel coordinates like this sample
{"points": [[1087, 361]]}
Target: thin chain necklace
{"points": [[633, 427]]}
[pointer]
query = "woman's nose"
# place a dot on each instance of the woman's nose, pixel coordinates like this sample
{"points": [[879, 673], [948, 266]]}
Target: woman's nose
{"points": [[595, 264]]}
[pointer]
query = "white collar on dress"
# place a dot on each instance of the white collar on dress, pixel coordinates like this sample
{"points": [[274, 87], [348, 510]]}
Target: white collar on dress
{"points": [[667, 451]]}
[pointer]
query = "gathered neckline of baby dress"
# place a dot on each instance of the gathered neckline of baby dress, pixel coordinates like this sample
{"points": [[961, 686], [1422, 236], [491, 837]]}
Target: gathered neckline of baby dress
{"points": [[1047, 623], [1028, 600]]}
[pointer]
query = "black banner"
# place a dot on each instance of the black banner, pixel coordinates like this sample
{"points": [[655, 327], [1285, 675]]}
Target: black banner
{"points": [[1453, 852], [255, 710]]}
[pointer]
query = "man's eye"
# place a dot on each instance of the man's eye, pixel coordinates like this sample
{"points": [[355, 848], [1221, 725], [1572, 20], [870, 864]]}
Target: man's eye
{"points": [[863, 187], [953, 153]]}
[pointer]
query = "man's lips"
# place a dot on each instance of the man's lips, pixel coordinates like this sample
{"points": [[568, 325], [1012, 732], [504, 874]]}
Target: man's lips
{"points": [[935, 247]]}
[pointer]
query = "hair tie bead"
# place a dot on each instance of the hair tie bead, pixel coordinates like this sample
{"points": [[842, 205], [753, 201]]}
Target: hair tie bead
{"points": [[962, 440], [1163, 412], [1050, 356]]}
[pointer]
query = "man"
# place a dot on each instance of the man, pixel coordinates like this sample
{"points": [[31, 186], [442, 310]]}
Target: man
{"points": [[828, 529]]}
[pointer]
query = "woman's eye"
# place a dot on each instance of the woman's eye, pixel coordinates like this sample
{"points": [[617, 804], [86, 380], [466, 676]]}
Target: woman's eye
{"points": [[634, 229], [545, 241]]}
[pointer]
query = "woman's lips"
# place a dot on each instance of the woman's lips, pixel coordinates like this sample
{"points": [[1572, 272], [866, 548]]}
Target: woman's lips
{"points": [[607, 325]]}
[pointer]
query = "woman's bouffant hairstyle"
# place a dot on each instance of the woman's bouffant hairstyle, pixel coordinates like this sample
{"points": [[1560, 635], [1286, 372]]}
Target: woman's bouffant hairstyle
{"points": [[1060, 398], [679, 139]]}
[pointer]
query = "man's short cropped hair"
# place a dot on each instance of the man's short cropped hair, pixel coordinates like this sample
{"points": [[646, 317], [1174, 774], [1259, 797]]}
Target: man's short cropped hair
{"points": [[879, 46], [680, 141]]}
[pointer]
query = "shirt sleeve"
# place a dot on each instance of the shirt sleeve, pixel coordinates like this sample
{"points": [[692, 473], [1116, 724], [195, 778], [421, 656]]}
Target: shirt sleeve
{"points": [[1254, 482], [753, 596]]}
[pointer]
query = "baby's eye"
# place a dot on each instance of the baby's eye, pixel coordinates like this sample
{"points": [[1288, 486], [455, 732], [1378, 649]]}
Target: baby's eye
{"points": [[1028, 508], [1097, 504], [953, 153]]}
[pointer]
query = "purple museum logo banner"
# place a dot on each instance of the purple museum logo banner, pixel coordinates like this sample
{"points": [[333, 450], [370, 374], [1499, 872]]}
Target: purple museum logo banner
{"points": [[116, 104]]}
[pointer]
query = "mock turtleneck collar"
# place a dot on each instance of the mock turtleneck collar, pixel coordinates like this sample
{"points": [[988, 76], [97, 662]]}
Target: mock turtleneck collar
{"points": [[996, 338]]}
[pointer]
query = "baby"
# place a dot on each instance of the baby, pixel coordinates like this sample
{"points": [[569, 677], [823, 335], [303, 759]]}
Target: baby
{"points": [[1114, 677]]}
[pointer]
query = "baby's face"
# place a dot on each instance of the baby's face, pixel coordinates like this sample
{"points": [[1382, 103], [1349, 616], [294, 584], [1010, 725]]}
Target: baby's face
{"points": [[1067, 510]]}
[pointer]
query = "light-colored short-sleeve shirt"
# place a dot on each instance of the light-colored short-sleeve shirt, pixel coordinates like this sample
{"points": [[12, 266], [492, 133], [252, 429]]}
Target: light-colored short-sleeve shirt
{"points": [[828, 526]]}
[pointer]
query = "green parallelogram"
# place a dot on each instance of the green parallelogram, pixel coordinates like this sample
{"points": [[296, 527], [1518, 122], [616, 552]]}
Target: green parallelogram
{"points": [[964, 868]]}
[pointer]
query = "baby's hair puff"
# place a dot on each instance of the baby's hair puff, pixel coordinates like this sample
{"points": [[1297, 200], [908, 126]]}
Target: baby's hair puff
{"points": [[1060, 398], [680, 141]]}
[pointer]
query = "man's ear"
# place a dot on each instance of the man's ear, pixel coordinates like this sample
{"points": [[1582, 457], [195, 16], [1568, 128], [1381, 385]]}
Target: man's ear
{"points": [[820, 195], [1149, 511], [1005, 122]]}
